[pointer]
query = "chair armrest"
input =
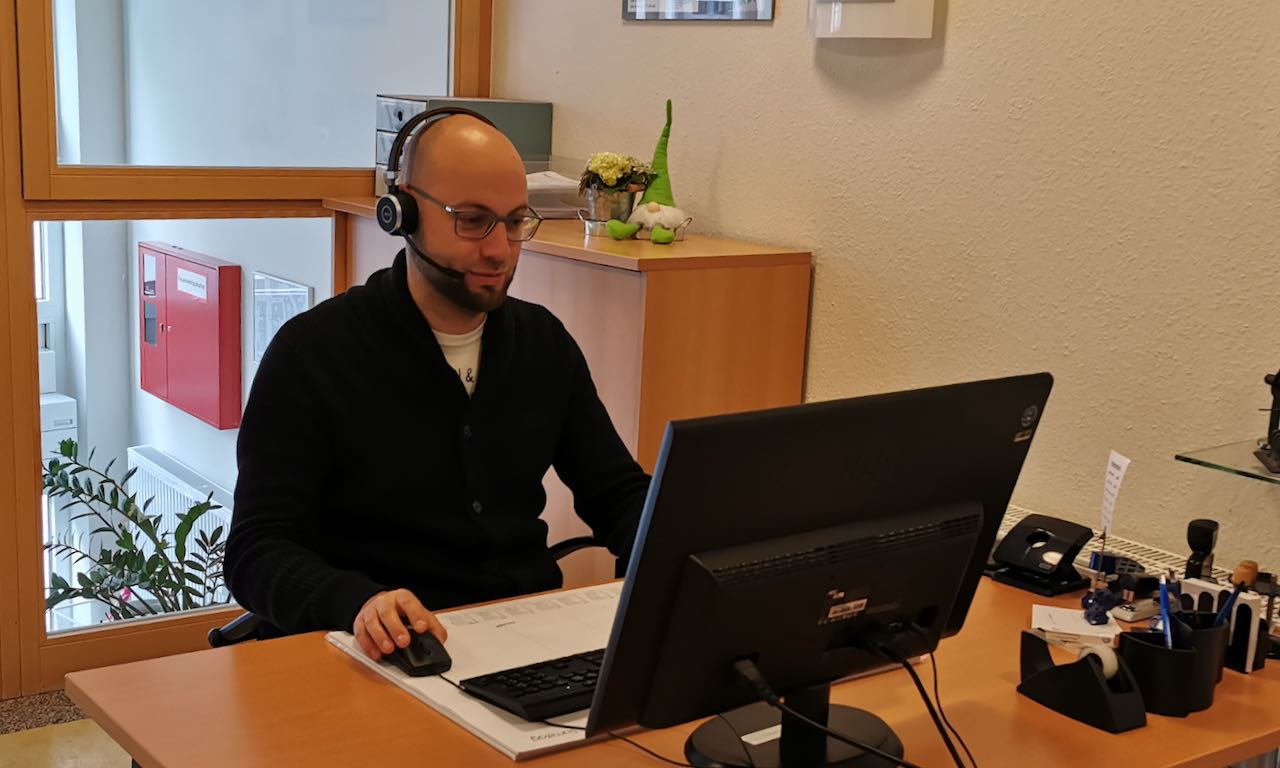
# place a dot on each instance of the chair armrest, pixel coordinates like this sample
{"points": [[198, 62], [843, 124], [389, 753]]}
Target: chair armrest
{"points": [[569, 546], [243, 627]]}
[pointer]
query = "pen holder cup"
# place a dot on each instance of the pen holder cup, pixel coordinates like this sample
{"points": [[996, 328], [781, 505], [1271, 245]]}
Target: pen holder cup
{"points": [[1174, 681], [1248, 643], [1195, 629]]}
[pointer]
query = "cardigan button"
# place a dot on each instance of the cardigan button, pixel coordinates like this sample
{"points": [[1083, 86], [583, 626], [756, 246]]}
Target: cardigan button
{"points": [[477, 507]]}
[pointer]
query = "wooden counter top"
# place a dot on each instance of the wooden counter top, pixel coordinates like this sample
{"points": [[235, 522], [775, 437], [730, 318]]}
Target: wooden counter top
{"points": [[300, 701], [558, 237]]}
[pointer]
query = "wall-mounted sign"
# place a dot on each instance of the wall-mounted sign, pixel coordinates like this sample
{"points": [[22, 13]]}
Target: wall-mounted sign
{"points": [[697, 10]]}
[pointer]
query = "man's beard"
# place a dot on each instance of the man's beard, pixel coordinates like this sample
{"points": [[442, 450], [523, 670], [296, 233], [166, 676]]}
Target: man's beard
{"points": [[455, 290]]}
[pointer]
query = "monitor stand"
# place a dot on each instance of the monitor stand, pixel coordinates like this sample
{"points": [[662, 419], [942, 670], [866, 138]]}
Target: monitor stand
{"points": [[778, 740]]}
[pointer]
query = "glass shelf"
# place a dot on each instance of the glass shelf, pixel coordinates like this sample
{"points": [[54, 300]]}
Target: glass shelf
{"points": [[1236, 458]]}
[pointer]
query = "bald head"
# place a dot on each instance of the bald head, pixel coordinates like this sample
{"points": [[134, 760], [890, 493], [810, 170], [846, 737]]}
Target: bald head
{"points": [[462, 148], [464, 173]]}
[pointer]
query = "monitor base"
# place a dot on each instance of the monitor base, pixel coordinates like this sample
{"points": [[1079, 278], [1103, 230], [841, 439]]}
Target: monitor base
{"points": [[715, 743], [1270, 459]]}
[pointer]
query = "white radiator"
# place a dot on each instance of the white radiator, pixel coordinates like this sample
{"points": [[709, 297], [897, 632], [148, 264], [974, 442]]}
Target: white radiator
{"points": [[176, 487]]}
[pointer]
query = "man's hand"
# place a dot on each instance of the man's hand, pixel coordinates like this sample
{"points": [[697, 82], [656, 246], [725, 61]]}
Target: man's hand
{"points": [[380, 626]]}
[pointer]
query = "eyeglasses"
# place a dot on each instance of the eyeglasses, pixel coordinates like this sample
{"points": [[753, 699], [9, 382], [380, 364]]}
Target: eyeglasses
{"points": [[477, 223]]}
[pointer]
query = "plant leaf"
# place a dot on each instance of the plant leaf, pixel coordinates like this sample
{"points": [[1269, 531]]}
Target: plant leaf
{"points": [[57, 597]]}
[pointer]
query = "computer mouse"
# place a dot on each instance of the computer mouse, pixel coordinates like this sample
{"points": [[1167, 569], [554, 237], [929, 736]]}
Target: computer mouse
{"points": [[424, 655]]}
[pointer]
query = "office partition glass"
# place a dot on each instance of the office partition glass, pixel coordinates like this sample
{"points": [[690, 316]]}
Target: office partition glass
{"points": [[137, 414], [286, 83]]}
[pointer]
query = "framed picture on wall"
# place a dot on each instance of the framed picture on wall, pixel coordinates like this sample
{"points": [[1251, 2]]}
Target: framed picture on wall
{"points": [[275, 301], [697, 10]]}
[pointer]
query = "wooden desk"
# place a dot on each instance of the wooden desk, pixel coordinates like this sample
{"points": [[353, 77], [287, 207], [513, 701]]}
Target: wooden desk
{"points": [[299, 701]]}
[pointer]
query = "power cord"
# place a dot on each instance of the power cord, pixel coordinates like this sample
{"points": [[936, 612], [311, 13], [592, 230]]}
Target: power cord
{"points": [[937, 721], [937, 697], [617, 735], [640, 747], [747, 670], [885, 646]]}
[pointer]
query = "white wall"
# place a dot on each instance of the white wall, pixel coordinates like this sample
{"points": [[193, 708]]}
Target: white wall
{"points": [[295, 249], [98, 333], [1087, 188], [238, 82]]}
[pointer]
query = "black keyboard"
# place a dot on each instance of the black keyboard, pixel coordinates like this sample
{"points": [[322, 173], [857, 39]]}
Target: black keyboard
{"points": [[545, 689]]}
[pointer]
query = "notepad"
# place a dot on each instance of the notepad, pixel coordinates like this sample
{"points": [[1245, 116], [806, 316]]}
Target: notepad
{"points": [[1067, 627], [500, 636]]}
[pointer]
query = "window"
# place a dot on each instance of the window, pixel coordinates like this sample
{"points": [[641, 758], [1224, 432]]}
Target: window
{"points": [[41, 271], [113, 144], [103, 402], [286, 83]]}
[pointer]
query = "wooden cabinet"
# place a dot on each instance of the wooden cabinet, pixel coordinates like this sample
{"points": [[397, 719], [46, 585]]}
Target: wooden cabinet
{"points": [[696, 328]]}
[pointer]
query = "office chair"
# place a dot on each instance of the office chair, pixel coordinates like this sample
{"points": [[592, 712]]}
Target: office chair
{"points": [[246, 625]]}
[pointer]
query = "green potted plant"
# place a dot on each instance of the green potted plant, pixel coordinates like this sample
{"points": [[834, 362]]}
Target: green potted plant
{"points": [[148, 571], [609, 183]]}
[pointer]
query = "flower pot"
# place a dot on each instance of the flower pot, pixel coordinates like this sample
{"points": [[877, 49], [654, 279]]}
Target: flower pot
{"points": [[605, 204]]}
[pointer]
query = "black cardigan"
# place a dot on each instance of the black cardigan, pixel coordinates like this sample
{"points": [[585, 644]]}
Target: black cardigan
{"points": [[364, 466]]}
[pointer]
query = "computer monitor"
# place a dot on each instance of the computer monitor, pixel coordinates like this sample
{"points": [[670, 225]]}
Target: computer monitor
{"points": [[797, 538]]}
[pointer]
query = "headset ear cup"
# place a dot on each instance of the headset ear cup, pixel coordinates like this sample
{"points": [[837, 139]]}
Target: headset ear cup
{"points": [[397, 213]]}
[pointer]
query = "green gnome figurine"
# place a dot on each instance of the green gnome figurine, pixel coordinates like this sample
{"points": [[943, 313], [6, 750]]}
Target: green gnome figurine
{"points": [[656, 216]]}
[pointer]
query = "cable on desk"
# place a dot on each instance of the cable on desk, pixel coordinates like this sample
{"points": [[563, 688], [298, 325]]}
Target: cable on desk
{"points": [[937, 721], [886, 646], [937, 697], [616, 735], [640, 747], [643, 748], [747, 669]]}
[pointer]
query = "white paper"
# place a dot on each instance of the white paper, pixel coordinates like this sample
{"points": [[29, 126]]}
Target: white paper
{"points": [[1071, 621], [1116, 466], [501, 636], [193, 284], [544, 181]]}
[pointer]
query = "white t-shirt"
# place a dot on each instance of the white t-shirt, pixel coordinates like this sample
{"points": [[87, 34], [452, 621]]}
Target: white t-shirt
{"points": [[462, 352]]}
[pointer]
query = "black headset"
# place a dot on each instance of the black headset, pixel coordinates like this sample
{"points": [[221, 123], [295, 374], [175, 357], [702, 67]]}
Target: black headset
{"points": [[397, 211]]}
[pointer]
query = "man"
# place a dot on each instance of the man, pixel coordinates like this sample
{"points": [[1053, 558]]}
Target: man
{"points": [[392, 451]]}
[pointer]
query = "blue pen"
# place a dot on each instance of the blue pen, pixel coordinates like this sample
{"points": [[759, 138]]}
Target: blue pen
{"points": [[1227, 605], [1164, 613]]}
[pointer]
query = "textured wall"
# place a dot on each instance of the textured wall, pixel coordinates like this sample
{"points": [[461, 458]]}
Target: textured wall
{"points": [[1087, 188]]}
